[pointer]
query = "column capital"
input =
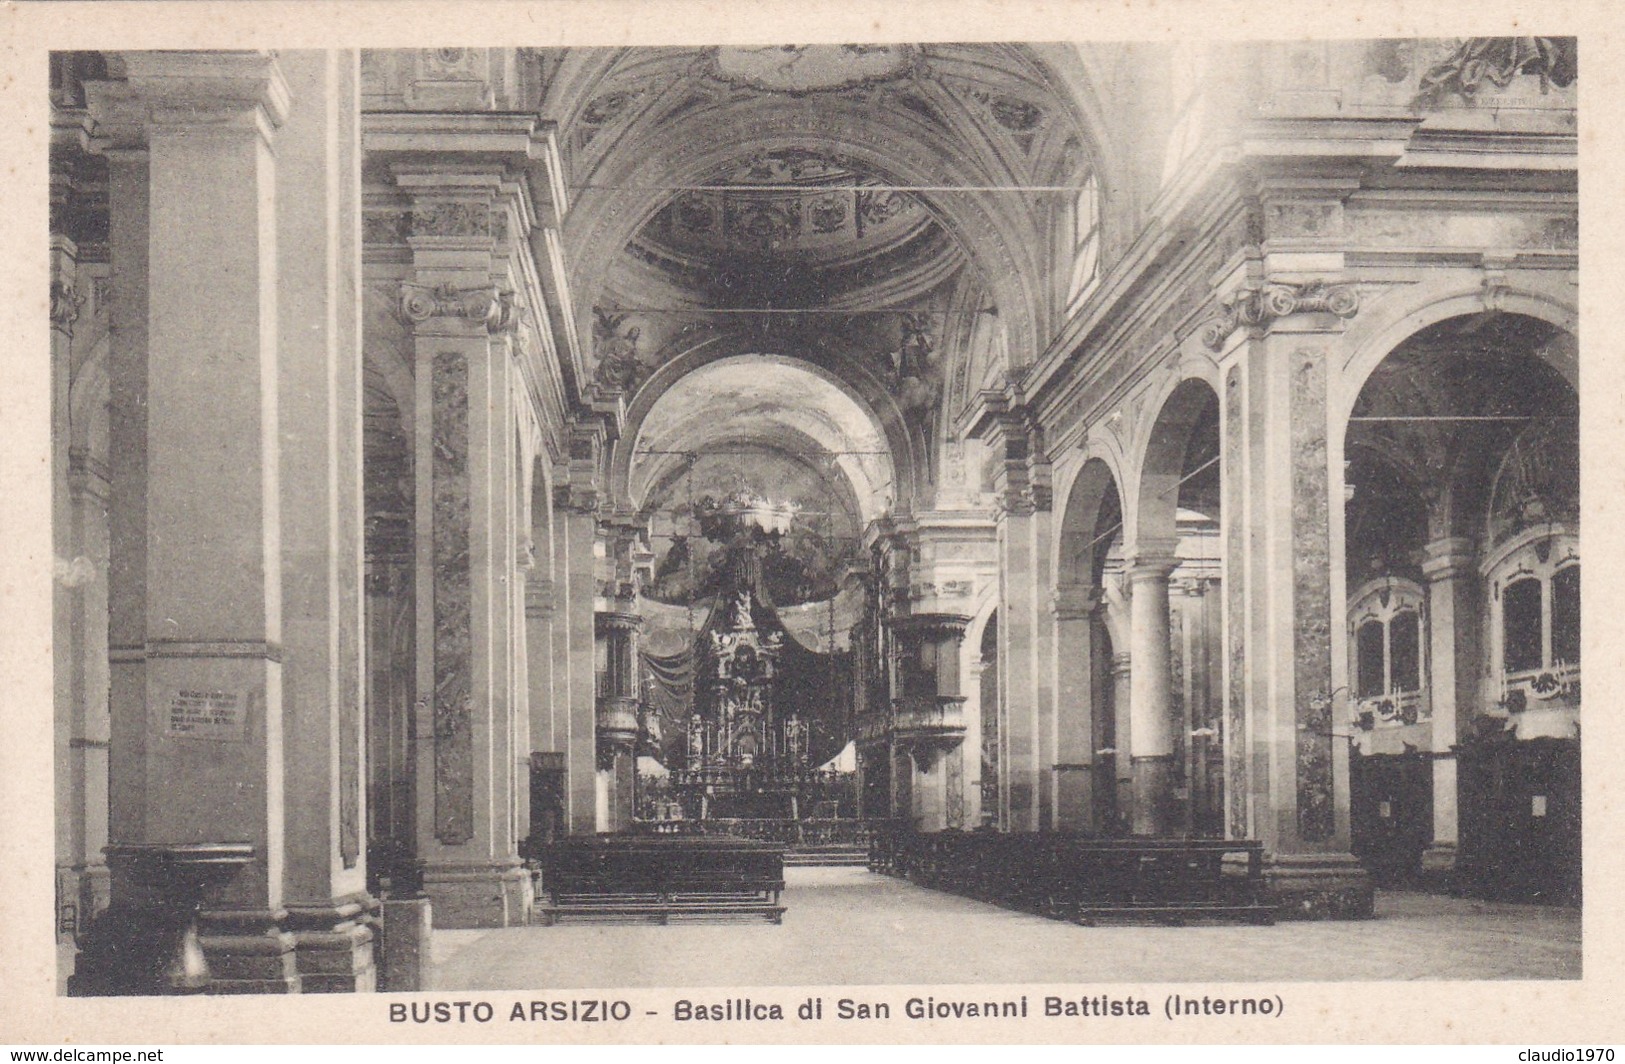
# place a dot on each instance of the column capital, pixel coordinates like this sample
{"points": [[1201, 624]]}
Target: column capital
{"points": [[481, 307], [1257, 304], [618, 620], [66, 302], [1152, 560], [580, 499], [191, 91], [1075, 602], [941, 625], [1448, 558]]}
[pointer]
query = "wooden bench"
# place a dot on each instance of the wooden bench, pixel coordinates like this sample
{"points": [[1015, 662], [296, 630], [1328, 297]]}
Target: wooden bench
{"points": [[1082, 879], [661, 877]]}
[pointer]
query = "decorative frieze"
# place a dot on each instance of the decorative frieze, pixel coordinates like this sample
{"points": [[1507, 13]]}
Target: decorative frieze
{"points": [[451, 218], [1258, 305], [945, 589]]}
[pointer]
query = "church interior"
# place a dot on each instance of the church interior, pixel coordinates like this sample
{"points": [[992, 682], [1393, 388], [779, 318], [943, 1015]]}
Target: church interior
{"points": [[495, 485]]}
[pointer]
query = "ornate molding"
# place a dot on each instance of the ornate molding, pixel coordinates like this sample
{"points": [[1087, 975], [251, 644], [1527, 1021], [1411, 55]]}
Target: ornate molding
{"points": [[451, 218], [945, 589], [482, 305], [1258, 305]]}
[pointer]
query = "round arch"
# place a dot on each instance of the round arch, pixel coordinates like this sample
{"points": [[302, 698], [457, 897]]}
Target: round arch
{"points": [[1383, 326], [1088, 497], [852, 379], [1161, 463], [792, 444]]}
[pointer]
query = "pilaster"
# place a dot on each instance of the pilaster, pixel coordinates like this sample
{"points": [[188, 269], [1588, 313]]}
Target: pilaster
{"points": [[199, 658], [1282, 519], [1451, 570], [459, 303], [576, 507], [1026, 692]]}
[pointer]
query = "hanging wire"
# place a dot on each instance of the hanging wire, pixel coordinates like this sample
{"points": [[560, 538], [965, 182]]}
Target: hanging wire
{"points": [[1118, 527], [832, 312], [746, 191]]}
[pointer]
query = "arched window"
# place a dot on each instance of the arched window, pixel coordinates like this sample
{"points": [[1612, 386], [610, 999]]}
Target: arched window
{"points": [[1534, 586], [1521, 643], [1084, 241], [1385, 626]]}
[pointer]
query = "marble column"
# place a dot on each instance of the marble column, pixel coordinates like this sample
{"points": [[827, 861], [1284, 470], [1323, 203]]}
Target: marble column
{"points": [[1287, 766], [1074, 607], [1453, 610], [1152, 746], [202, 757]]}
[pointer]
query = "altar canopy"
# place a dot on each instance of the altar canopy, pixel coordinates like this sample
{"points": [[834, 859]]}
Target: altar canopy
{"points": [[812, 671]]}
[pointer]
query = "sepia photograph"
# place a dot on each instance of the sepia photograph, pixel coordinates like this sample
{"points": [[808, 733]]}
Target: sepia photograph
{"points": [[1048, 525]]}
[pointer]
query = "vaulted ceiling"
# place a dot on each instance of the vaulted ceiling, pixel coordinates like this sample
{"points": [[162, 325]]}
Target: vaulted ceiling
{"points": [[879, 212]]}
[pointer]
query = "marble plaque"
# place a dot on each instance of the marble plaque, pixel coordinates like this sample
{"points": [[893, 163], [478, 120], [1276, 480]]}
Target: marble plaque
{"points": [[205, 713]]}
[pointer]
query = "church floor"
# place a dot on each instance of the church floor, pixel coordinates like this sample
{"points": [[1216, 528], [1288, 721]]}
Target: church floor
{"points": [[849, 926]]}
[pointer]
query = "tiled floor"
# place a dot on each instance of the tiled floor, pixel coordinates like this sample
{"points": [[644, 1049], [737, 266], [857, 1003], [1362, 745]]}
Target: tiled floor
{"points": [[848, 926]]}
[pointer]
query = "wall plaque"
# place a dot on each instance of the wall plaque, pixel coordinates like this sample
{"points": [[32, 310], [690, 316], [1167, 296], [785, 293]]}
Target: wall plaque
{"points": [[207, 714]]}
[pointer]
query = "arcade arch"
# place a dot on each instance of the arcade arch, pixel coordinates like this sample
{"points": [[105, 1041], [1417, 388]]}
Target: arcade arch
{"points": [[1461, 520]]}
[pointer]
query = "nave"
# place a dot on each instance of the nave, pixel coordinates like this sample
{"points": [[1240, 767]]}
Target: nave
{"points": [[849, 926], [1083, 449]]}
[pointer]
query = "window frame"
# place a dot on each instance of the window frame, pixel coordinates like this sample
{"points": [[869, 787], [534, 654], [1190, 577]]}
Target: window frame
{"points": [[1382, 601], [1079, 242], [1538, 554]]}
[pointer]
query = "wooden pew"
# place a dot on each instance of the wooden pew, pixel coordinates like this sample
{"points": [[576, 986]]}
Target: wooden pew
{"points": [[661, 877], [1084, 879]]}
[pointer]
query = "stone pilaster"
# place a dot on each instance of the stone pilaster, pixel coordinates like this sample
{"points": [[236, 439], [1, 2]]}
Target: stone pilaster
{"points": [[1122, 760], [1450, 567], [1026, 694], [79, 544], [197, 583], [1283, 600], [548, 716], [318, 156], [1154, 810], [465, 179]]}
